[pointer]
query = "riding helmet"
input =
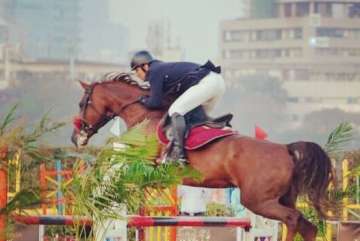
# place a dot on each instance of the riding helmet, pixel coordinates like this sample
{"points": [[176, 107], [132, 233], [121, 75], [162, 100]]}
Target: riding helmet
{"points": [[140, 58]]}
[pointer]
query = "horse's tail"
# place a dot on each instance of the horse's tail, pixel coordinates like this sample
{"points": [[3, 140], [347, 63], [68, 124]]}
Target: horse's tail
{"points": [[312, 173]]}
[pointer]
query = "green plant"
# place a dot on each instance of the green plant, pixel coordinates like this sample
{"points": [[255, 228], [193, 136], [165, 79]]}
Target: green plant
{"points": [[122, 177], [338, 138], [22, 140]]}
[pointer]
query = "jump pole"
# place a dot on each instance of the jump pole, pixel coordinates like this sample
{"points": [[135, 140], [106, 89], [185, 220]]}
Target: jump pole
{"points": [[141, 221]]}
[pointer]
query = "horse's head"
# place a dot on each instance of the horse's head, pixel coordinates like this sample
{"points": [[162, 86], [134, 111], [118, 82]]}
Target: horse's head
{"points": [[101, 102], [94, 113]]}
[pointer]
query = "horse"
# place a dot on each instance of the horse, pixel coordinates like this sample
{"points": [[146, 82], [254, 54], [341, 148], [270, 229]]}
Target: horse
{"points": [[269, 175]]}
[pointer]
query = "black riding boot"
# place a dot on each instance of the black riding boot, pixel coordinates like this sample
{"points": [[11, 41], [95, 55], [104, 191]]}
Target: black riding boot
{"points": [[178, 127]]}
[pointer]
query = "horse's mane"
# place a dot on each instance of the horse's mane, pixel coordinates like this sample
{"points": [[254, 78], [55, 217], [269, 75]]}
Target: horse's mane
{"points": [[124, 78]]}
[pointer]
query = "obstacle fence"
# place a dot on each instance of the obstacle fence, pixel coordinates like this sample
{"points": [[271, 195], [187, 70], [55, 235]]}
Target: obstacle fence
{"points": [[140, 222], [132, 221], [52, 182], [159, 203]]}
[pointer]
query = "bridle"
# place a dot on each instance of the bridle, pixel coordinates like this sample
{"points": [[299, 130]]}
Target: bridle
{"points": [[82, 125]]}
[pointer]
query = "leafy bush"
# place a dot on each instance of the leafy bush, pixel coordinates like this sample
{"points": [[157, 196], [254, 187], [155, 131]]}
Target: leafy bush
{"points": [[122, 177]]}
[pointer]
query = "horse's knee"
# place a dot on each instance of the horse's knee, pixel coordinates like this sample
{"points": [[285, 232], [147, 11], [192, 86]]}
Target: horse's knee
{"points": [[248, 202]]}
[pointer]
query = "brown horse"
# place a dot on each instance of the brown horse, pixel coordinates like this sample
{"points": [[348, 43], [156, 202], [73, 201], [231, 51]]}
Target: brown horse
{"points": [[269, 175]]}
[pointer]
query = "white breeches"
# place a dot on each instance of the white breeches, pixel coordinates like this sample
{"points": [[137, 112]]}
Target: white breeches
{"points": [[206, 93]]}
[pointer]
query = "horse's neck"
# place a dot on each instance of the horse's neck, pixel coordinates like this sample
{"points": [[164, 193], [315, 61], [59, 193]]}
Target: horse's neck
{"points": [[137, 113], [122, 93]]}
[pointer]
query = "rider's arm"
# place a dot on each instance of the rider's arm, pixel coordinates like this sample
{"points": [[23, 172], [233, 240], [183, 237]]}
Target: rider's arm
{"points": [[154, 101]]}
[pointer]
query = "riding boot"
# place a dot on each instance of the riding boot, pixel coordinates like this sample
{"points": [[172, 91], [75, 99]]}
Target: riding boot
{"points": [[178, 127]]}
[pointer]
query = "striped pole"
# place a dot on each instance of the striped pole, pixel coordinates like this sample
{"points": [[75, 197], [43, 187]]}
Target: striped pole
{"points": [[3, 197], [52, 220], [148, 221], [59, 194], [142, 221]]}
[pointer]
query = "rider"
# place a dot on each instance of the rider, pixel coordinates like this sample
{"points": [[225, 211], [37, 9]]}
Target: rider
{"points": [[192, 84]]}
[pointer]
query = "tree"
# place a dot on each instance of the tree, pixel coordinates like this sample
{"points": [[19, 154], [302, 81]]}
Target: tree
{"points": [[259, 99], [317, 124]]}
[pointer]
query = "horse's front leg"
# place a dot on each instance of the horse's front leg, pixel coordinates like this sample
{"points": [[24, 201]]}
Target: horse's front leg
{"points": [[162, 154]]}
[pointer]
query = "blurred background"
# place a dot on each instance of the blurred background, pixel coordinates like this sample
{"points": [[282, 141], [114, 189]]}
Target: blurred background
{"points": [[291, 67]]}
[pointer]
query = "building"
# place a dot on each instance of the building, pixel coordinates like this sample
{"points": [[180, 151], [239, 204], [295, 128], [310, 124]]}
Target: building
{"points": [[244, 11], [4, 35], [257, 9], [47, 70], [160, 41], [102, 38], [313, 46], [262, 8], [45, 29]]}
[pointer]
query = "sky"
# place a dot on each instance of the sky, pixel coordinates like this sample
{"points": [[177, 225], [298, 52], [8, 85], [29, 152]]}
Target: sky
{"points": [[194, 22]]}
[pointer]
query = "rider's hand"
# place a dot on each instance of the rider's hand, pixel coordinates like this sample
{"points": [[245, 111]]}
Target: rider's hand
{"points": [[142, 99]]}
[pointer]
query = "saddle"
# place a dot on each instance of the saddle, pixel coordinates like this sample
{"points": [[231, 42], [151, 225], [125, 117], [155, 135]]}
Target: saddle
{"points": [[200, 129]]}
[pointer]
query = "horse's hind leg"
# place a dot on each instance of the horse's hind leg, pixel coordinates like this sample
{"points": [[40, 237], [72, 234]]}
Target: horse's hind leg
{"points": [[274, 210], [305, 228]]}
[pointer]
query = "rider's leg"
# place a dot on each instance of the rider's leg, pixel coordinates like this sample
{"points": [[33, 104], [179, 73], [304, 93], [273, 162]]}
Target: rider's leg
{"points": [[208, 89], [178, 132], [211, 103]]}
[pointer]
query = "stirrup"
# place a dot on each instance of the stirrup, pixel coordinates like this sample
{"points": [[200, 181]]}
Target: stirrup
{"points": [[182, 161], [167, 159], [176, 156]]}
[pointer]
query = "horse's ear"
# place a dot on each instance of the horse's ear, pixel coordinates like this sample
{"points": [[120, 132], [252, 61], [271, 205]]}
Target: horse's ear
{"points": [[84, 84]]}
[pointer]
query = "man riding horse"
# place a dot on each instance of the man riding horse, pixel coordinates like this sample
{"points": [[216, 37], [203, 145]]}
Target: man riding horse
{"points": [[270, 175], [191, 84]]}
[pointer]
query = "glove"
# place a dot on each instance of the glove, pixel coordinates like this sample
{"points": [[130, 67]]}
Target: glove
{"points": [[143, 98]]}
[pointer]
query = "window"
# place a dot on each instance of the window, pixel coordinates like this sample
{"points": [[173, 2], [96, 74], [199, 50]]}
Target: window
{"points": [[354, 52], [330, 32], [227, 36], [286, 74], [292, 33], [354, 10], [296, 52], [237, 54], [327, 51], [324, 9], [239, 36], [268, 53], [352, 100], [298, 33], [302, 9], [286, 53], [293, 99], [226, 54], [268, 35], [301, 74], [354, 33], [287, 10]]}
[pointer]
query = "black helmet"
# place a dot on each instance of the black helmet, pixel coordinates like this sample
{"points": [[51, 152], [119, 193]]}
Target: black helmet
{"points": [[140, 58]]}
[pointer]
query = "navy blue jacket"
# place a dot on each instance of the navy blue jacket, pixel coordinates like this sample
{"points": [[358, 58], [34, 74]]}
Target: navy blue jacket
{"points": [[173, 78]]}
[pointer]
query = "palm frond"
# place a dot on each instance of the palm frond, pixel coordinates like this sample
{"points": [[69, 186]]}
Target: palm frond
{"points": [[22, 200], [355, 171], [338, 138], [9, 117]]}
